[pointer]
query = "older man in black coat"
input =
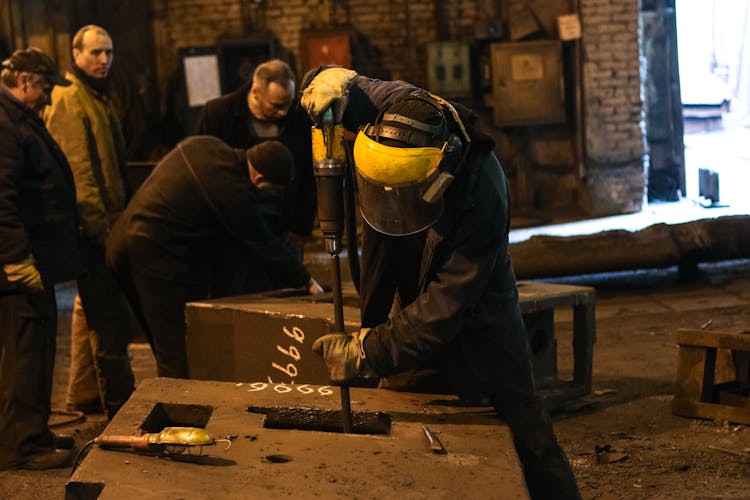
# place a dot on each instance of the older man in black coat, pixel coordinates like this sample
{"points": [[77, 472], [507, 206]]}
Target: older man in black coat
{"points": [[38, 249], [201, 196]]}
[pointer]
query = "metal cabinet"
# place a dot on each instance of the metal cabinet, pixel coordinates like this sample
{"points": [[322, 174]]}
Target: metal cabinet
{"points": [[527, 83], [449, 69]]}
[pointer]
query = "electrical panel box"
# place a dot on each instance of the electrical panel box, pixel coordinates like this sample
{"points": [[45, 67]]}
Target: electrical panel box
{"points": [[449, 69], [527, 83], [211, 71]]}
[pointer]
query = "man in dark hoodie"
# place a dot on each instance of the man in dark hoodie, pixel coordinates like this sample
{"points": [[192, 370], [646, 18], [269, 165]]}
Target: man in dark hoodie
{"points": [[201, 196]]}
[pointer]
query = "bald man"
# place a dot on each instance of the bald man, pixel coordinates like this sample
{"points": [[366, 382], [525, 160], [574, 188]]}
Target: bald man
{"points": [[83, 121]]}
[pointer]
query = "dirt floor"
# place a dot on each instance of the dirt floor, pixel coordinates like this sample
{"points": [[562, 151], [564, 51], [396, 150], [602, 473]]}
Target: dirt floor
{"points": [[622, 440]]}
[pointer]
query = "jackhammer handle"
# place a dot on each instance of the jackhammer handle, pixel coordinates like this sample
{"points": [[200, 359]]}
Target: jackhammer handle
{"points": [[328, 131], [326, 118]]}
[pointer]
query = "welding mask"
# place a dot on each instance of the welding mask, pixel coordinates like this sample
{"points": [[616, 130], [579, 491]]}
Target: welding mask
{"points": [[404, 163]]}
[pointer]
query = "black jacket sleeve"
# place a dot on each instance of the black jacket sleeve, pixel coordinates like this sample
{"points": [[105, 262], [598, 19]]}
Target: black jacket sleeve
{"points": [[14, 242], [225, 181], [368, 96], [467, 250]]}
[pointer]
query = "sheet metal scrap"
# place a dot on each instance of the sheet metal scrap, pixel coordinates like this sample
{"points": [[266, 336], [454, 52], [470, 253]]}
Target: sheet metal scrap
{"points": [[316, 419], [435, 445]]}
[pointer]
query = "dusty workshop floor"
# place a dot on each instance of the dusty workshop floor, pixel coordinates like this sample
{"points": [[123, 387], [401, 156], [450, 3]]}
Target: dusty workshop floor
{"points": [[622, 440]]}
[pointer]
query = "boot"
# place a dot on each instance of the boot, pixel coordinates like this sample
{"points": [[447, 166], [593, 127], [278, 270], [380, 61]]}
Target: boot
{"points": [[53, 440], [49, 458]]}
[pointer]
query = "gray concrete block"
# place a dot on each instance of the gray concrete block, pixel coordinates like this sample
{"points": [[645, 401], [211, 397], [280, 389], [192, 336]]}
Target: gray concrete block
{"points": [[272, 463]]}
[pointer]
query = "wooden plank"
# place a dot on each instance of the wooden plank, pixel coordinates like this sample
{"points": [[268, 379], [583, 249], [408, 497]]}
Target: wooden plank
{"points": [[535, 296], [692, 408], [660, 245], [690, 363], [584, 337], [708, 389], [723, 340]]}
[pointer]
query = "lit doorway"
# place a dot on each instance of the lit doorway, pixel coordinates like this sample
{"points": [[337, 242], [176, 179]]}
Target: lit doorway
{"points": [[680, 38], [713, 38]]}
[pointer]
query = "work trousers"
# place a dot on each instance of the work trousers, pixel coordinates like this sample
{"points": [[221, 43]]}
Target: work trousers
{"points": [[159, 304], [546, 469], [100, 334], [28, 327], [234, 271]]}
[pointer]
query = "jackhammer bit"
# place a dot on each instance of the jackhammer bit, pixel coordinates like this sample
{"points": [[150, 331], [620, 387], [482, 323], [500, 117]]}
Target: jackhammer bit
{"points": [[329, 159]]}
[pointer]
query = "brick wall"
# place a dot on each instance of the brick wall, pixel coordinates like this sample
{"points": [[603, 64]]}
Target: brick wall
{"points": [[391, 43], [612, 101], [185, 23], [386, 43]]}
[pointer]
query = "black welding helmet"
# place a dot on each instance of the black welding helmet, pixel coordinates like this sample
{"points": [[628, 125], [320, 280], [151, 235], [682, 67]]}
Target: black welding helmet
{"points": [[404, 163]]}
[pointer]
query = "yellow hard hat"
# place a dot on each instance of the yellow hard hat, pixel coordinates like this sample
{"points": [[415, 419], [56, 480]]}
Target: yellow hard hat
{"points": [[394, 166], [400, 165]]}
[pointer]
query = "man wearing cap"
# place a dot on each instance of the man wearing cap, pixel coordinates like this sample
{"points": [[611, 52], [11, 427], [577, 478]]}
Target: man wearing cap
{"points": [[262, 109], [38, 249], [440, 310], [202, 195], [83, 121]]}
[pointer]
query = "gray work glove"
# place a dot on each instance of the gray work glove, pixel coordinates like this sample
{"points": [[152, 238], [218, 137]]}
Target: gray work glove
{"points": [[24, 274], [344, 356], [330, 88]]}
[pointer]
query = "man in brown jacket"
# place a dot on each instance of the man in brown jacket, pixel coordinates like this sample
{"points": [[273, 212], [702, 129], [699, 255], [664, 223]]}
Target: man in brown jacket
{"points": [[82, 119]]}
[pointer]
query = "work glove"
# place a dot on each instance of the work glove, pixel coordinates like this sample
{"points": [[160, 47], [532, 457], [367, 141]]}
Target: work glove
{"points": [[24, 274], [330, 88], [344, 356], [313, 287]]}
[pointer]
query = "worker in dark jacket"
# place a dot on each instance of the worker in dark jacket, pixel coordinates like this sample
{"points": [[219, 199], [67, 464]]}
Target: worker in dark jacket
{"points": [[437, 288], [38, 249], [262, 109], [202, 195]]}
